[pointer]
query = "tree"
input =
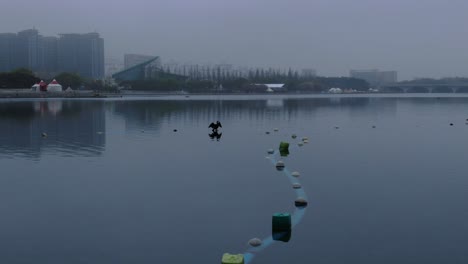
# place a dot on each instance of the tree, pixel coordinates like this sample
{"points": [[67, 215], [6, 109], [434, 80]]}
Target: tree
{"points": [[19, 78], [67, 79]]}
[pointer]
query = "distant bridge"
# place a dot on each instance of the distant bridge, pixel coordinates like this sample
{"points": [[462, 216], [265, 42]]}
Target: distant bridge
{"points": [[425, 88]]}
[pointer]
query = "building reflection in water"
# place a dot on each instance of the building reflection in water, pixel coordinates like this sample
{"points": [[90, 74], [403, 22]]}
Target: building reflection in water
{"points": [[150, 115], [73, 128]]}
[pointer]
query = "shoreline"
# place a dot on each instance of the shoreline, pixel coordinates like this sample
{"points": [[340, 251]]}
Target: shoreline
{"points": [[22, 94]]}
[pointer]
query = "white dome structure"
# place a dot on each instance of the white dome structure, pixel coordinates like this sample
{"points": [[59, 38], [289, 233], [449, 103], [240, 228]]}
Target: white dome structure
{"points": [[54, 86], [36, 88]]}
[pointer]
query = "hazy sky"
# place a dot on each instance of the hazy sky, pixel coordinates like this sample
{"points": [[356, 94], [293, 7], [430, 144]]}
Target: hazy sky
{"points": [[418, 38]]}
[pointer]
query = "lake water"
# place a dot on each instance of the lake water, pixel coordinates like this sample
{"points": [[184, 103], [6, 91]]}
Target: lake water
{"points": [[386, 179]]}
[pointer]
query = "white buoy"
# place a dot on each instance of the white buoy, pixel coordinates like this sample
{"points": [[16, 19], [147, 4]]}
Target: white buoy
{"points": [[100, 133], [295, 174], [280, 164], [297, 186], [305, 138], [271, 151], [306, 141], [255, 242]]}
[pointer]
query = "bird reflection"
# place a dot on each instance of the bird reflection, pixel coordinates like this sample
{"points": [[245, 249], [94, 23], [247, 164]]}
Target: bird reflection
{"points": [[215, 135]]}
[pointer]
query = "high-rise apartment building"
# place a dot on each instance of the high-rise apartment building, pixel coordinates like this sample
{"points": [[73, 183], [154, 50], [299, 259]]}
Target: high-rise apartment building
{"points": [[82, 54], [78, 53], [49, 54], [7, 49], [27, 50]]}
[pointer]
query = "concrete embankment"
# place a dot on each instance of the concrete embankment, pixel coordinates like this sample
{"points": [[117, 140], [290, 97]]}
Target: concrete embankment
{"points": [[65, 94]]}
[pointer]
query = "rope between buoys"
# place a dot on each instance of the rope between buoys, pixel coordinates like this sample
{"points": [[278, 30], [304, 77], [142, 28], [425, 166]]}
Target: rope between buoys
{"points": [[297, 216]]}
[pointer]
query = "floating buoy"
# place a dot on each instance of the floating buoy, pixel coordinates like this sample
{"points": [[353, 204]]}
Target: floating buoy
{"points": [[271, 151], [175, 130], [451, 124], [306, 141], [255, 242], [305, 138], [297, 186], [280, 164], [300, 144], [276, 129], [232, 259], [337, 127], [100, 133], [44, 134], [294, 136], [281, 222], [373, 126], [300, 202], [267, 132], [295, 174], [284, 149]]}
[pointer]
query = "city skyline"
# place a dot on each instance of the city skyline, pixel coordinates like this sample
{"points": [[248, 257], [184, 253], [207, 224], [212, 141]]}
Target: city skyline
{"points": [[50, 55], [332, 36]]}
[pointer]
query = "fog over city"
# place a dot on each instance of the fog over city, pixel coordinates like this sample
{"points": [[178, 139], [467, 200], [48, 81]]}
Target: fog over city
{"points": [[416, 38]]}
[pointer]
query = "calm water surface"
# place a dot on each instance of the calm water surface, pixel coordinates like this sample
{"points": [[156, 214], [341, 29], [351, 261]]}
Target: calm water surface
{"points": [[113, 183]]}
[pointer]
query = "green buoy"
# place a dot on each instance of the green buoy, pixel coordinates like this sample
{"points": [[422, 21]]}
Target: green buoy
{"points": [[281, 222], [232, 259], [284, 146]]}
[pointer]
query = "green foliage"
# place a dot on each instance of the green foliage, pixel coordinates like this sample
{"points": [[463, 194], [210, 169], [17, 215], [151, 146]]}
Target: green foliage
{"points": [[67, 79], [163, 85], [20, 78]]}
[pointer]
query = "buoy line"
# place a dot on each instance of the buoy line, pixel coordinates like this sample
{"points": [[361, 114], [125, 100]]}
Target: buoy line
{"points": [[297, 216]]}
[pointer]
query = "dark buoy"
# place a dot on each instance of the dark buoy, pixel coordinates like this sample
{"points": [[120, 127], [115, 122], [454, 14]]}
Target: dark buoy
{"points": [[271, 151], [294, 136], [175, 130], [267, 133], [451, 124], [373, 126], [280, 165], [44, 134], [297, 186], [300, 202]]}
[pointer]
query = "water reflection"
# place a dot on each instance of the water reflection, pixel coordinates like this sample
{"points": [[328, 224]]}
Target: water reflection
{"points": [[151, 114], [284, 236], [71, 126], [215, 135]]}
